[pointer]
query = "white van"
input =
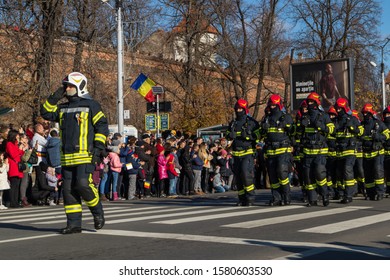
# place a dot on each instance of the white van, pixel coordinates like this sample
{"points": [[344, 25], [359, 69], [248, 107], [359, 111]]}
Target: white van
{"points": [[128, 130]]}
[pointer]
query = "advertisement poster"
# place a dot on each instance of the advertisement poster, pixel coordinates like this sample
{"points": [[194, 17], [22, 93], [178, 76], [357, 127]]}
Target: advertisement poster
{"points": [[331, 79]]}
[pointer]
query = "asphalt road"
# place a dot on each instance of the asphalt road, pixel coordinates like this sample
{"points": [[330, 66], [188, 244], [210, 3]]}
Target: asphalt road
{"points": [[203, 228]]}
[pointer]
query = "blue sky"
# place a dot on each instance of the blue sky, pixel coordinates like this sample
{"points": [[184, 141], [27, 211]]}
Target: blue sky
{"points": [[385, 27], [385, 32]]}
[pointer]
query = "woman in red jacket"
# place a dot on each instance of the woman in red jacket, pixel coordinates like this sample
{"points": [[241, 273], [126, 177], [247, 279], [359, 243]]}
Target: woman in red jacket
{"points": [[14, 153]]}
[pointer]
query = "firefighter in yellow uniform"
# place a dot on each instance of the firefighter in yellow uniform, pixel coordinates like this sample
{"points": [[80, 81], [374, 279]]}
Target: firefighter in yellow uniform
{"points": [[83, 131], [244, 133], [375, 135], [347, 129], [277, 129], [315, 126]]}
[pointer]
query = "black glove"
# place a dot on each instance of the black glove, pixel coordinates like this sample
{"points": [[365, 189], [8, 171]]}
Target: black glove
{"points": [[350, 126], [282, 124], [305, 121], [249, 135], [342, 124], [57, 95], [320, 125], [96, 156], [265, 126], [232, 135], [378, 137]]}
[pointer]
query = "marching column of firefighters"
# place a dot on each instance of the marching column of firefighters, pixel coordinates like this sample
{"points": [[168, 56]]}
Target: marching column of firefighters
{"points": [[335, 154]]}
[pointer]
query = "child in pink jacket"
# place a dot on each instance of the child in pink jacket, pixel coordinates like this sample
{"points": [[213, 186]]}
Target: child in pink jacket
{"points": [[115, 167], [162, 170]]}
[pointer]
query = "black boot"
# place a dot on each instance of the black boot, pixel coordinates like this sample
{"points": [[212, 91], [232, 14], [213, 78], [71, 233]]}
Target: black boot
{"points": [[70, 230], [312, 203], [325, 202], [99, 221], [286, 198], [275, 203], [250, 202], [242, 200], [98, 215], [379, 197], [346, 200]]}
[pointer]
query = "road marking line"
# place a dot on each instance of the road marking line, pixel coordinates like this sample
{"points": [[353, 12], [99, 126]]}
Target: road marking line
{"points": [[128, 212], [295, 217], [241, 212], [37, 217], [192, 212], [385, 253], [348, 224], [28, 238], [28, 210], [38, 211]]}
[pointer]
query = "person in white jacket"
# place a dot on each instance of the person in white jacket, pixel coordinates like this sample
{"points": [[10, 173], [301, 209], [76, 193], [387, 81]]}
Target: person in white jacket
{"points": [[4, 185]]}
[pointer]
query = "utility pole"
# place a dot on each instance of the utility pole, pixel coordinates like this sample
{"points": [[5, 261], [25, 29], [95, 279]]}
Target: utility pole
{"points": [[120, 77], [383, 75]]}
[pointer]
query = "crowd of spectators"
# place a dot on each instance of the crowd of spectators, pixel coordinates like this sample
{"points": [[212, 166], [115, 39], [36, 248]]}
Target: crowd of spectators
{"points": [[176, 165], [131, 168], [29, 165]]}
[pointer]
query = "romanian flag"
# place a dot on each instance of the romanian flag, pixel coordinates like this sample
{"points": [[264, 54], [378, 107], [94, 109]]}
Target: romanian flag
{"points": [[144, 86]]}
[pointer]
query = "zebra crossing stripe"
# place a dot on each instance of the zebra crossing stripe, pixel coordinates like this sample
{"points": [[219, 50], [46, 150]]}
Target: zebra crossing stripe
{"points": [[28, 238], [33, 216], [239, 212], [295, 217], [191, 212], [24, 210], [127, 212], [348, 224]]}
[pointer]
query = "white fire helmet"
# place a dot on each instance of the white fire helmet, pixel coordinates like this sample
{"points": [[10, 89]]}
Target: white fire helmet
{"points": [[80, 82]]}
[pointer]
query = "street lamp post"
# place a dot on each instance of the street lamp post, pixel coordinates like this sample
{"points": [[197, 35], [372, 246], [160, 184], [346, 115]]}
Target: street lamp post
{"points": [[120, 77], [120, 67], [383, 75]]}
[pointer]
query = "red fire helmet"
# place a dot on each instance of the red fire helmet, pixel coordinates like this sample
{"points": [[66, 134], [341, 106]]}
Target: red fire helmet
{"points": [[367, 108], [342, 103], [315, 97], [243, 104], [275, 99], [332, 110]]}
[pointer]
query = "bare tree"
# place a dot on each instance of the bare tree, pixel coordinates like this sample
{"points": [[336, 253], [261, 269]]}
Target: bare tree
{"points": [[46, 14], [32, 28], [266, 30], [81, 24], [249, 45], [335, 28], [188, 66], [338, 29]]}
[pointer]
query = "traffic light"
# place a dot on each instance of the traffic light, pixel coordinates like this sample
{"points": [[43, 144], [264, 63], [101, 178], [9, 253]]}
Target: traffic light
{"points": [[165, 106]]}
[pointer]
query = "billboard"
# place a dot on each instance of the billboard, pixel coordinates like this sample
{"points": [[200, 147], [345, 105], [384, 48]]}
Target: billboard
{"points": [[331, 79]]}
